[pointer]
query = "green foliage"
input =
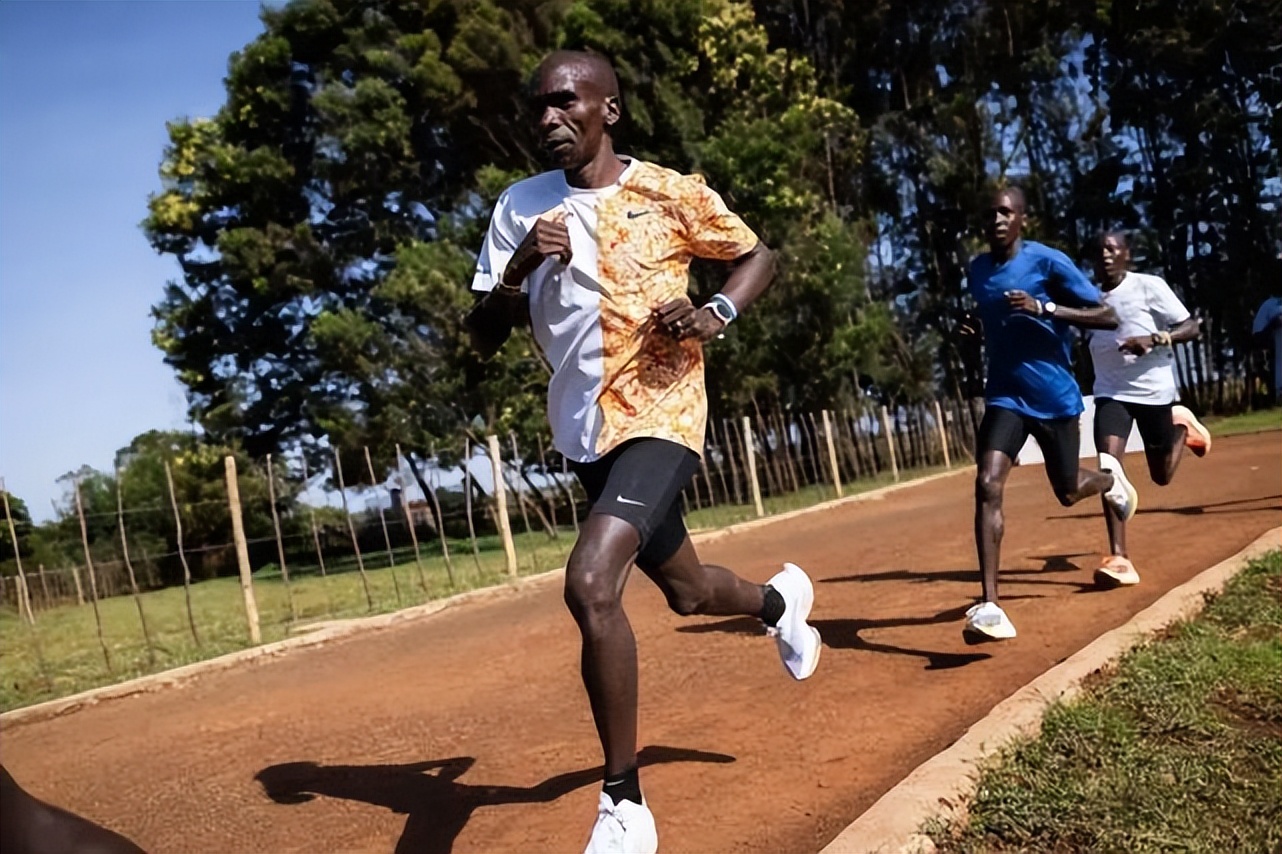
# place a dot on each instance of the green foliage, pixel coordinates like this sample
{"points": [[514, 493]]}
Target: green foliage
{"points": [[21, 518], [200, 489], [1177, 750], [326, 218]]}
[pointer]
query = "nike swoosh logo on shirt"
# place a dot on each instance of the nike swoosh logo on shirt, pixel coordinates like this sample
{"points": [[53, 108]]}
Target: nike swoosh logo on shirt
{"points": [[635, 214], [622, 500]]}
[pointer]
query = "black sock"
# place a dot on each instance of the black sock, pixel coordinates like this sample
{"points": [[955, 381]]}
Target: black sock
{"points": [[773, 607], [624, 787]]}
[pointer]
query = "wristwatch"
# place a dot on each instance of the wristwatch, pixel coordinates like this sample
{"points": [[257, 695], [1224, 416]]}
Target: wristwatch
{"points": [[1049, 307], [724, 310]]}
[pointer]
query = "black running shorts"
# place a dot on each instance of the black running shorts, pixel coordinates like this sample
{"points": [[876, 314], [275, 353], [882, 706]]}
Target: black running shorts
{"points": [[1060, 439], [640, 482], [1115, 417]]}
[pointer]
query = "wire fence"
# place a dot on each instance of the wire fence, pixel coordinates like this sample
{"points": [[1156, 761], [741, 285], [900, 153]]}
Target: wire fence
{"points": [[424, 530]]}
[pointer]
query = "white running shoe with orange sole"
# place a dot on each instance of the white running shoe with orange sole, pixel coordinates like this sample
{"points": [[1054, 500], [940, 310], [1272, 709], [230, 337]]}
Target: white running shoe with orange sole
{"points": [[1198, 438], [985, 622], [1116, 571]]}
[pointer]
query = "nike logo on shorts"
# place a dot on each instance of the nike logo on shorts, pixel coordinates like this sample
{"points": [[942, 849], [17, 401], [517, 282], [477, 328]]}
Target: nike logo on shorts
{"points": [[622, 500]]}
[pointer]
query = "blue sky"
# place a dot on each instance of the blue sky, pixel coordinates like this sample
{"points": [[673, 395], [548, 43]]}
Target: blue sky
{"points": [[85, 91]]}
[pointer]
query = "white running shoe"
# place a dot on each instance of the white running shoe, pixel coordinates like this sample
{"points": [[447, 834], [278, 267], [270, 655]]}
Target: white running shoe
{"points": [[1116, 571], [987, 622], [623, 828], [1197, 438], [1121, 496], [798, 641]]}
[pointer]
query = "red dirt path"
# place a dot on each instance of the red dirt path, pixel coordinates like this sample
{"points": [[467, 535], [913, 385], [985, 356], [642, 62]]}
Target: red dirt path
{"points": [[462, 731]]}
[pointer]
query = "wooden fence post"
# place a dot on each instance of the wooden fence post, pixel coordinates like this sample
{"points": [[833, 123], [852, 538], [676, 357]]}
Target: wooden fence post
{"points": [[75, 573], [351, 530], [23, 596], [500, 500], [467, 504], [574, 502], [382, 520], [751, 457], [734, 467], [242, 551], [182, 555], [890, 443], [943, 434], [133, 581], [93, 577], [44, 588], [409, 522], [832, 453], [280, 542]]}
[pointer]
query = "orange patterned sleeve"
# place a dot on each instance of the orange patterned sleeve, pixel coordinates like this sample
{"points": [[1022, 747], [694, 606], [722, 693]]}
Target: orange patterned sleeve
{"points": [[712, 230]]}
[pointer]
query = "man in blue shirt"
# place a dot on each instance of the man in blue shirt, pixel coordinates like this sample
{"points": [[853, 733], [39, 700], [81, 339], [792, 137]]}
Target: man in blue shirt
{"points": [[1028, 297]]}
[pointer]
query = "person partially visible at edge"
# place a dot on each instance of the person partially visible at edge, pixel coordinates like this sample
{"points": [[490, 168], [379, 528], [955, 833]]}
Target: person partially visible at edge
{"points": [[596, 254], [28, 825], [1135, 384], [1028, 298]]}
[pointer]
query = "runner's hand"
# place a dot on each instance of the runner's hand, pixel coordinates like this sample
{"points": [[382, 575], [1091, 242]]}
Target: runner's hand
{"points": [[680, 319], [1023, 301], [547, 239], [1139, 345]]}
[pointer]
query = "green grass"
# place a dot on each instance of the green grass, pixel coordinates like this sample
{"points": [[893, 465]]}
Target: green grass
{"points": [[1179, 749], [73, 659], [67, 635], [1247, 422], [711, 518]]}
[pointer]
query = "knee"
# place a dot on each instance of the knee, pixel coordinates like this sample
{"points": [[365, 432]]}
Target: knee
{"points": [[590, 592], [988, 488]]}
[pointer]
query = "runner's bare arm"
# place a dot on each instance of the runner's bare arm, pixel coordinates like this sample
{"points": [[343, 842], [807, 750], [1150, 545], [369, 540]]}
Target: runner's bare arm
{"points": [[752, 274], [1088, 317], [1189, 329], [491, 320]]}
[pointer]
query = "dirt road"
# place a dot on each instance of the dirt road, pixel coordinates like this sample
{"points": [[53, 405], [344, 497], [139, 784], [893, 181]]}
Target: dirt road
{"points": [[469, 731]]}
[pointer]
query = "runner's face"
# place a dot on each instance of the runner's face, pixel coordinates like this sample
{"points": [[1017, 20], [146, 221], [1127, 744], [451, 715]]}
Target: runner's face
{"points": [[1003, 221], [1114, 257], [572, 114]]}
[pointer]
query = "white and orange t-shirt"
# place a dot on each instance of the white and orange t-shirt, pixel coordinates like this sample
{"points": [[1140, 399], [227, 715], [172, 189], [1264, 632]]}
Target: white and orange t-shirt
{"points": [[616, 374]]}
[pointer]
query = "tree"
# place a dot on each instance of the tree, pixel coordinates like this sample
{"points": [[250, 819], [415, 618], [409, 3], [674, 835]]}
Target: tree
{"points": [[326, 218], [22, 525]]}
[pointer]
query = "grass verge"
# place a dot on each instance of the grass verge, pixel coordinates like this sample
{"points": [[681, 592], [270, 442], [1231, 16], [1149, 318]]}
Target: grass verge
{"points": [[1247, 422], [1178, 749]]}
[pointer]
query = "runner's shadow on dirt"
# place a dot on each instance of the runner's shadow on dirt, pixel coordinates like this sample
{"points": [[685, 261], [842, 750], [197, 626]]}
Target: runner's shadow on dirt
{"points": [[846, 634], [1050, 564], [1218, 507], [437, 806]]}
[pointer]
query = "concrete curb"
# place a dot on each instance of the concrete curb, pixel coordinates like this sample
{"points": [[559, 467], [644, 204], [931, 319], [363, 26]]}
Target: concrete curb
{"points": [[939, 787], [320, 633]]}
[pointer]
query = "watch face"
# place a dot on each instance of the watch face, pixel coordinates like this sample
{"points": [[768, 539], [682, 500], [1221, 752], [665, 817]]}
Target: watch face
{"points": [[1050, 307], [720, 311]]}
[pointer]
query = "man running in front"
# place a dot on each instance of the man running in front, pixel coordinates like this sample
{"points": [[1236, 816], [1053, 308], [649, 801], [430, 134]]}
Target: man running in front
{"points": [[598, 253], [1029, 297], [1135, 385]]}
